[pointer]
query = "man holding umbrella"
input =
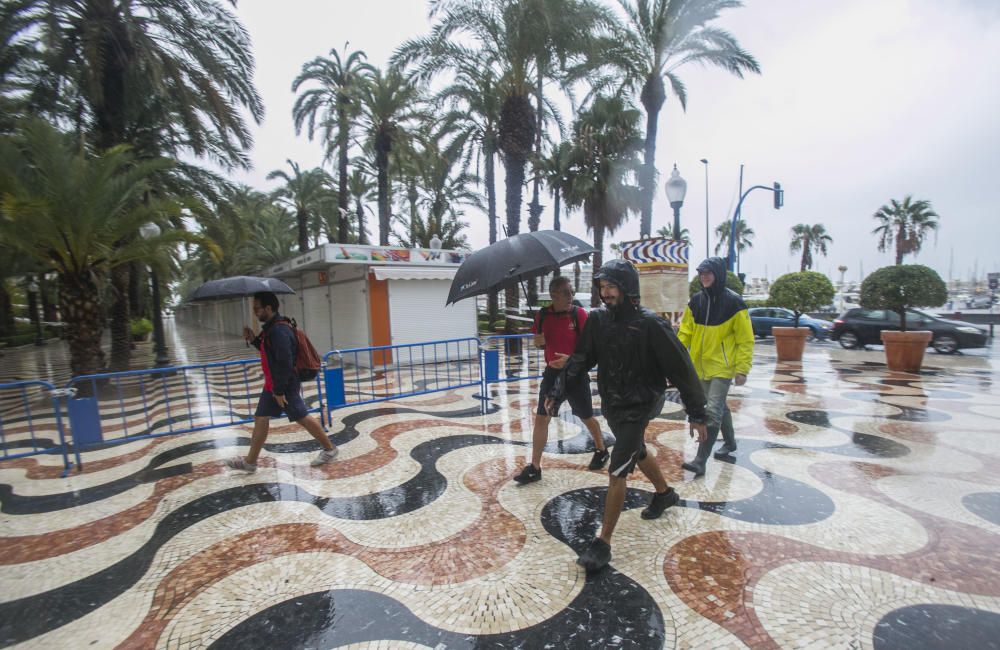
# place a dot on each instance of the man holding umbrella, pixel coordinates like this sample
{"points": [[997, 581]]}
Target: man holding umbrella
{"points": [[637, 352], [282, 389]]}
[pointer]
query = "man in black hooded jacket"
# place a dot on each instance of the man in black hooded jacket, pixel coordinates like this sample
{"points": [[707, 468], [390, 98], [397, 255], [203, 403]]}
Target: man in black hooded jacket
{"points": [[636, 351]]}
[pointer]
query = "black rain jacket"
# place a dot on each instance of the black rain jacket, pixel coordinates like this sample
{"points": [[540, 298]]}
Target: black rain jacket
{"points": [[637, 351], [281, 348]]}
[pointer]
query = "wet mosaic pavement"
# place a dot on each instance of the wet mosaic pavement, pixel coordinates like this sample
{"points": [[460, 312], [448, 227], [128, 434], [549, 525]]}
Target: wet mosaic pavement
{"points": [[862, 510]]}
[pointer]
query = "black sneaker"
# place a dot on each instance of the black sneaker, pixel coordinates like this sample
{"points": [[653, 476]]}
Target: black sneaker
{"points": [[596, 557], [724, 451], [696, 467], [529, 474], [600, 457], [660, 502]]}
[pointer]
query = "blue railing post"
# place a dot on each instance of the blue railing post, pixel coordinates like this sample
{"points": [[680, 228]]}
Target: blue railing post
{"points": [[333, 377]]}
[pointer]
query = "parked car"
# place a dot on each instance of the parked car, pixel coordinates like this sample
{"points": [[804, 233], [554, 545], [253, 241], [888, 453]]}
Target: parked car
{"points": [[861, 327], [764, 318], [980, 301]]}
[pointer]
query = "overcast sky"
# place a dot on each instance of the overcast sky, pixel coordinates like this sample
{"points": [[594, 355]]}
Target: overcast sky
{"points": [[859, 102]]}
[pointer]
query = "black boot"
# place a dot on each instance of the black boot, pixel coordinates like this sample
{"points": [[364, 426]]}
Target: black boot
{"points": [[697, 466]]}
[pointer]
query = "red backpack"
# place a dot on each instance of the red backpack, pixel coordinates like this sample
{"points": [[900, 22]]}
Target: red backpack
{"points": [[307, 360]]}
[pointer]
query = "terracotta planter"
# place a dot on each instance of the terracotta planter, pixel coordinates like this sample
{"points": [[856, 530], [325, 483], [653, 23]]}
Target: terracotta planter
{"points": [[904, 351], [790, 342]]}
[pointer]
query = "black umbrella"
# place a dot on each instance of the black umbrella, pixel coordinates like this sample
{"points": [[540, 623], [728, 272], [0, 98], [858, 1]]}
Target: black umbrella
{"points": [[512, 260], [238, 286]]}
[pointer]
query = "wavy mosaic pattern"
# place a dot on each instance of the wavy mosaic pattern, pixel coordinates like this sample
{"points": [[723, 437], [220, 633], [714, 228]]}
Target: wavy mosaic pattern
{"points": [[861, 511]]}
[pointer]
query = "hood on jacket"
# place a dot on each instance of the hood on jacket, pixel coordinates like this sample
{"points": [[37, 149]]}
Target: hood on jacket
{"points": [[718, 268]]}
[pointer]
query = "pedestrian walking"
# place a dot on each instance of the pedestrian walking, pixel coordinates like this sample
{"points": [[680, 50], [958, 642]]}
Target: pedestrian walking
{"points": [[717, 332], [282, 388], [637, 351], [557, 329]]}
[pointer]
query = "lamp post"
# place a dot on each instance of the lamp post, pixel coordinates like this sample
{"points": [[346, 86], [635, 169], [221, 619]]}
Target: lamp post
{"points": [[705, 162], [148, 231], [779, 201], [676, 188], [33, 311]]}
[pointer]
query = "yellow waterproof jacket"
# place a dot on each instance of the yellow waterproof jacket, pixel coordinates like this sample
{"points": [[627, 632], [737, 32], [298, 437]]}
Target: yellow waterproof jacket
{"points": [[716, 330]]}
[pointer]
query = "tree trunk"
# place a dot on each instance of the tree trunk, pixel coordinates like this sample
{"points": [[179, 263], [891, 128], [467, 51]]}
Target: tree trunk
{"points": [[492, 299], [6, 311], [412, 196], [343, 137], [555, 221], [900, 244], [514, 181], [597, 260], [302, 219], [652, 96], [362, 235], [82, 315], [382, 167], [535, 208], [121, 334], [576, 277]]}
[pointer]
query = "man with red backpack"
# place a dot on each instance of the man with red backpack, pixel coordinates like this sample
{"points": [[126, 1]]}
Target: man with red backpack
{"points": [[282, 392], [557, 329]]}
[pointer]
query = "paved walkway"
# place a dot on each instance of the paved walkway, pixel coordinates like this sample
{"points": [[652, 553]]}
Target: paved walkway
{"points": [[862, 510]]}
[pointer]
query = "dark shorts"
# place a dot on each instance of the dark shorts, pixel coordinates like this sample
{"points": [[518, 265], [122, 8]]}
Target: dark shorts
{"points": [[630, 444], [295, 407], [578, 394]]}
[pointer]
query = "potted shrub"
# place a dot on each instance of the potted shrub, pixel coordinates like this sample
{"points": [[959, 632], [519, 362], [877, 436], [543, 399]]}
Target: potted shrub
{"points": [[800, 292], [898, 288], [140, 327]]}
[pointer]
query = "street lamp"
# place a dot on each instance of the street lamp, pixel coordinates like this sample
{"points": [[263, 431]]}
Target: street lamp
{"points": [[33, 311], [779, 201], [676, 188], [705, 161], [148, 231]]}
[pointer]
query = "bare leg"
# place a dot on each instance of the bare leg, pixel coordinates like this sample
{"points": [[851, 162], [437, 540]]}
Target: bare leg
{"points": [[613, 505], [652, 471], [595, 433], [261, 425], [310, 424], [539, 436]]}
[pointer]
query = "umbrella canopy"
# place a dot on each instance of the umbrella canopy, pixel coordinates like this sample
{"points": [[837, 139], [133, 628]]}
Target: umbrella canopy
{"points": [[238, 286], [517, 258]]}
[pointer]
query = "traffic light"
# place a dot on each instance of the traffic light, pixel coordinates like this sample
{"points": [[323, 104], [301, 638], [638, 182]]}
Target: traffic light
{"points": [[779, 196]]}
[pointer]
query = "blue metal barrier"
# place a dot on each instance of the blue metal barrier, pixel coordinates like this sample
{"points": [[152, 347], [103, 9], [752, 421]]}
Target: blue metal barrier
{"points": [[509, 357], [137, 404], [26, 409], [377, 374]]}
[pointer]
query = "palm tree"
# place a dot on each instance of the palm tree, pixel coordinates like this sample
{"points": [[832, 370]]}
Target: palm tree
{"points": [[332, 103], [554, 169], [906, 224], [475, 99], [806, 238], [658, 38], [502, 33], [360, 187], [302, 191], [744, 236], [667, 233], [390, 104], [605, 158], [66, 210]]}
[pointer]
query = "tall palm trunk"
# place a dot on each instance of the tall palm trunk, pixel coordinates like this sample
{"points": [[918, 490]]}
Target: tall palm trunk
{"points": [[900, 243], [806, 255], [412, 196], [302, 219], [121, 335], [343, 136], [555, 221], [517, 135], [82, 315], [653, 96], [577, 270], [6, 311], [362, 235], [596, 260], [382, 176], [535, 208], [492, 300]]}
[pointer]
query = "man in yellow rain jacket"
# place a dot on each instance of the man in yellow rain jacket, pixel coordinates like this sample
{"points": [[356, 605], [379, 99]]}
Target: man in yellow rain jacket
{"points": [[717, 332]]}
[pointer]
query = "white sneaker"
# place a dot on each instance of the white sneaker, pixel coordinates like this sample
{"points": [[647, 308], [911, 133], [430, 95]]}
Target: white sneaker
{"points": [[324, 457], [241, 465]]}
